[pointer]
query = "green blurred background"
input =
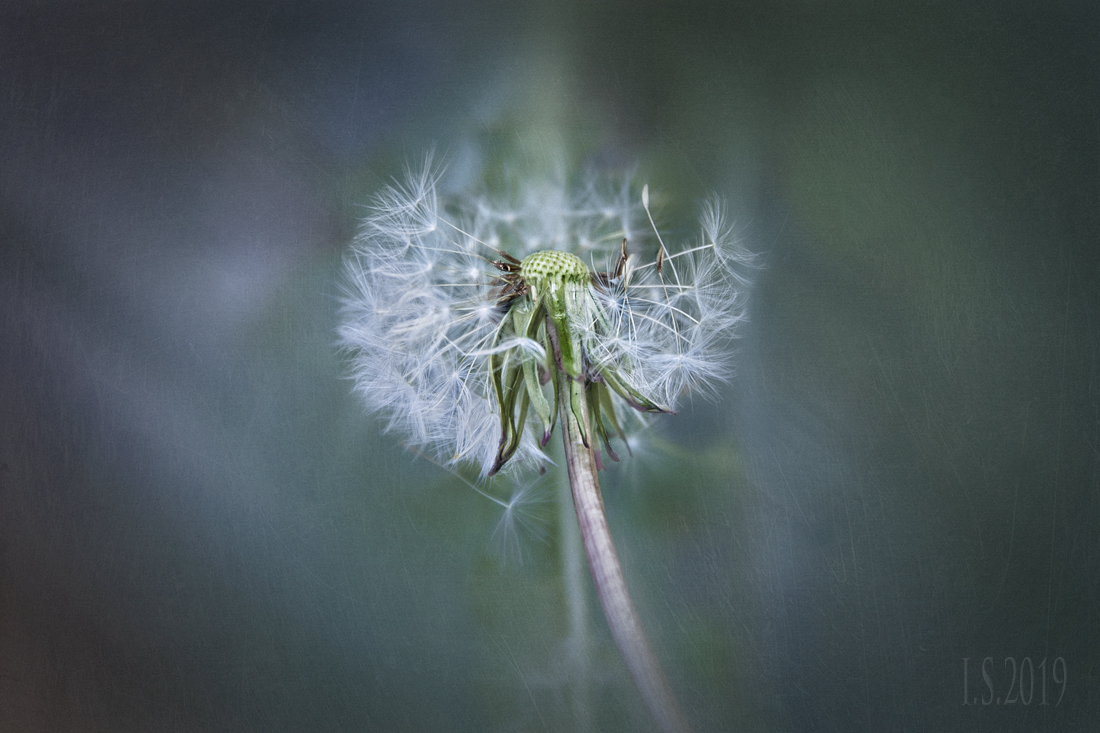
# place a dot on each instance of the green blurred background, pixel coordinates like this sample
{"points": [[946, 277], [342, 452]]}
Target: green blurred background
{"points": [[200, 530]]}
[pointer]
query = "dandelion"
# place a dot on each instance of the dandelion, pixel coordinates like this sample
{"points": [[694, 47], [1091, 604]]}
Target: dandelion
{"points": [[476, 325]]}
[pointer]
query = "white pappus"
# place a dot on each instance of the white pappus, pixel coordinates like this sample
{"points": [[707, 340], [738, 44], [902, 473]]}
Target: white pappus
{"points": [[462, 317]]}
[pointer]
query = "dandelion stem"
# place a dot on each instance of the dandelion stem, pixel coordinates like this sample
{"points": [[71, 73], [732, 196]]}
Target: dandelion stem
{"points": [[607, 573], [576, 592]]}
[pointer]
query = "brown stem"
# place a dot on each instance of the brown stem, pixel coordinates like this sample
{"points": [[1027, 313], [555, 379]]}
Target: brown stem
{"points": [[607, 573]]}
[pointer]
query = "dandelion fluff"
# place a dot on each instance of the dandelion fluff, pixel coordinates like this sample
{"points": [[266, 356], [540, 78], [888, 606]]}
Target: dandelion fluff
{"points": [[436, 289]]}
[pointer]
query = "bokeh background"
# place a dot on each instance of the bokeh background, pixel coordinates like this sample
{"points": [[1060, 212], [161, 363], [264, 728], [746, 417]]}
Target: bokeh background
{"points": [[201, 531]]}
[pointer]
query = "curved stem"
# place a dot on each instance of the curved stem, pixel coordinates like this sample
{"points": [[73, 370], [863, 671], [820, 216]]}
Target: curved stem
{"points": [[576, 593], [607, 573]]}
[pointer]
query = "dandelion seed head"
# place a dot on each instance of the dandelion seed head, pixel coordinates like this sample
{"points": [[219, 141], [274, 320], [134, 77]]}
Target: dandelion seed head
{"points": [[448, 302], [549, 270]]}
